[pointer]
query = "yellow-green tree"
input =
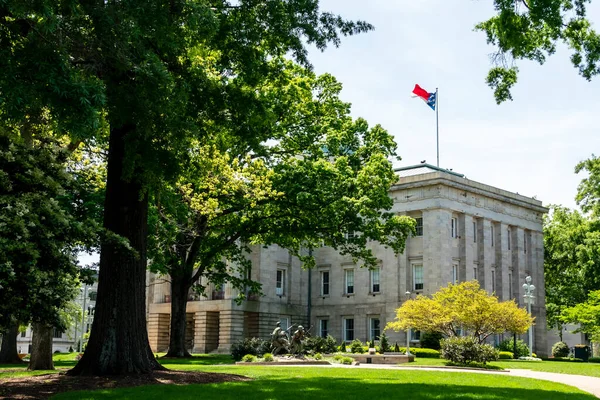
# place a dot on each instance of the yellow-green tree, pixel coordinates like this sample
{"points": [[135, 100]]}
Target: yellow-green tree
{"points": [[464, 307]]}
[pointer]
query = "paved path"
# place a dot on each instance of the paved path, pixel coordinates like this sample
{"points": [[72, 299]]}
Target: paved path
{"points": [[588, 384]]}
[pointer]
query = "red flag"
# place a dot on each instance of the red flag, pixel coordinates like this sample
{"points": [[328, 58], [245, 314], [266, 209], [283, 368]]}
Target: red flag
{"points": [[420, 92]]}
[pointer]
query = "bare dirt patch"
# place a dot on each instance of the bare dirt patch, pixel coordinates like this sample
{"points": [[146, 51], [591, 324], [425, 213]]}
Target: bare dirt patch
{"points": [[45, 386]]}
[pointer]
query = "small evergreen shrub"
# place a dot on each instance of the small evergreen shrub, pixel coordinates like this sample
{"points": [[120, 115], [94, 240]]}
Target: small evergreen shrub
{"points": [[424, 353], [384, 344], [249, 358], [431, 340], [594, 359], [357, 347], [560, 349], [466, 349], [507, 345], [396, 348], [347, 360], [337, 357], [254, 346], [318, 356], [268, 357], [343, 347], [505, 355]]}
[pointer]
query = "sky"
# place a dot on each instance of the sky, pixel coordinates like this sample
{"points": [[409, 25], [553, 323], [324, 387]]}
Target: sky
{"points": [[530, 145]]}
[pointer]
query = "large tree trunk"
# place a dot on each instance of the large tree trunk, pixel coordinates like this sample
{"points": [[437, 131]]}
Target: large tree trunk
{"points": [[180, 286], [41, 352], [118, 342], [8, 351]]}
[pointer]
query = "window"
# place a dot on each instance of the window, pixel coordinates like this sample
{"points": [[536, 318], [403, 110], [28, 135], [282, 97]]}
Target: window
{"points": [[324, 283], [475, 272], [524, 242], [419, 226], [348, 329], [24, 334], [454, 274], [280, 284], [510, 288], [324, 327], [493, 280], [285, 323], [349, 278], [374, 328], [492, 234], [219, 292], [508, 238], [350, 235], [415, 336], [474, 231], [57, 334], [418, 277], [454, 226], [375, 280]]}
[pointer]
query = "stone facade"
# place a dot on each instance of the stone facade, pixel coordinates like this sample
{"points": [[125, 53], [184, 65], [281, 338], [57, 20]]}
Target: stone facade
{"points": [[467, 230]]}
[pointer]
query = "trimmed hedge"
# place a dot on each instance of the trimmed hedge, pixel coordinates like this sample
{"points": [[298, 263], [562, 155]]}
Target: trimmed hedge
{"points": [[424, 353], [505, 355], [560, 349], [594, 359], [466, 349]]}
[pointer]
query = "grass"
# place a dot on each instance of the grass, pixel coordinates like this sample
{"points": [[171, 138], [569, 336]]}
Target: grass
{"points": [[570, 368], [347, 383]]}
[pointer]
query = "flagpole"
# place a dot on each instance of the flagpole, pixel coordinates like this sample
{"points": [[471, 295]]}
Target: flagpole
{"points": [[437, 125]]}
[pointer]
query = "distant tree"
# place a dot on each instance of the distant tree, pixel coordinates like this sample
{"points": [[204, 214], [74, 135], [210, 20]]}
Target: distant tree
{"points": [[586, 315], [463, 306], [588, 191], [532, 30]]}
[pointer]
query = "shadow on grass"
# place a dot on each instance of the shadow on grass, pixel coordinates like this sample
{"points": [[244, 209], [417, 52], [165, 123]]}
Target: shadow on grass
{"points": [[285, 386], [201, 359]]}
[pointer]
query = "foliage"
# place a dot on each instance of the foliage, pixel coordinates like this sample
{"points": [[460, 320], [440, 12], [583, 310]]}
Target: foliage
{"points": [[342, 347], [532, 30], [317, 344], [462, 306], [431, 340], [508, 345], [560, 349], [347, 360], [467, 349], [505, 355], [249, 358], [254, 346], [384, 345], [423, 352], [338, 357], [586, 315], [594, 359], [588, 191], [356, 347], [318, 356], [268, 357], [396, 348], [571, 260]]}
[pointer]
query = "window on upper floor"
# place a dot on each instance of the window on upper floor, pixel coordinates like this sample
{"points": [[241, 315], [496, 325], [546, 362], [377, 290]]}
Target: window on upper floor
{"points": [[375, 275], [57, 334], [324, 283], [280, 283], [417, 276], [454, 227], [349, 281], [454, 274], [419, 226]]}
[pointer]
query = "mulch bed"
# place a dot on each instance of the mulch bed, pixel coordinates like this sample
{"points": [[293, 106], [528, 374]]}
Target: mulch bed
{"points": [[45, 386]]}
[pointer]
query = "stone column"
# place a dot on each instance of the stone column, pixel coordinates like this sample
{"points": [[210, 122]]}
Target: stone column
{"points": [[231, 329], [206, 331], [158, 332]]}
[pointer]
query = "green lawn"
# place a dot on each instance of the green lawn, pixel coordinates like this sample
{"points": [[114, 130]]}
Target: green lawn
{"points": [[561, 367], [345, 383]]}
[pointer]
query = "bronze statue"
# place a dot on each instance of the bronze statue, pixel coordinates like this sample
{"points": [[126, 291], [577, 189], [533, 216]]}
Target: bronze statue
{"points": [[279, 340], [297, 339]]}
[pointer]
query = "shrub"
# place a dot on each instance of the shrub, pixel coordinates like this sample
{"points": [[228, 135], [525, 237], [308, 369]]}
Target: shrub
{"points": [[372, 344], [560, 349], [424, 353], [384, 345], [431, 340], [466, 349], [357, 347], [347, 360], [337, 357], [396, 348], [249, 358], [507, 345], [506, 355], [342, 347], [254, 346], [594, 359], [318, 356], [329, 346], [268, 357]]}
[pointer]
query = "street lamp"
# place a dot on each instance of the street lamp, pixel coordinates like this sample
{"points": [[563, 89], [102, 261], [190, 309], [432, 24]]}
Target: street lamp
{"points": [[407, 330], [529, 288]]}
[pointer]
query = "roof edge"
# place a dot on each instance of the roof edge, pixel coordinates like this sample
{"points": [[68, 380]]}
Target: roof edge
{"points": [[429, 166]]}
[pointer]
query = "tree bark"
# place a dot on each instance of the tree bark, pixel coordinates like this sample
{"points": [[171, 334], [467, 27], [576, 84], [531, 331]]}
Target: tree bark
{"points": [[8, 351], [118, 341], [180, 286], [41, 351]]}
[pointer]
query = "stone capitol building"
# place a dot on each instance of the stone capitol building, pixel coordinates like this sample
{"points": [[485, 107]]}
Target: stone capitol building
{"points": [[465, 230]]}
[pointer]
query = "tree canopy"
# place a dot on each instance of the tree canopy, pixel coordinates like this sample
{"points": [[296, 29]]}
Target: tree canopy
{"points": [[532, 30], [586, 315], [464, 306]]}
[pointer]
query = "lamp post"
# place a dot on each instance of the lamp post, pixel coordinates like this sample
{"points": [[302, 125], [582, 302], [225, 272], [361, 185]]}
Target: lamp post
{"points": [[529, 288], [407, 330]]}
